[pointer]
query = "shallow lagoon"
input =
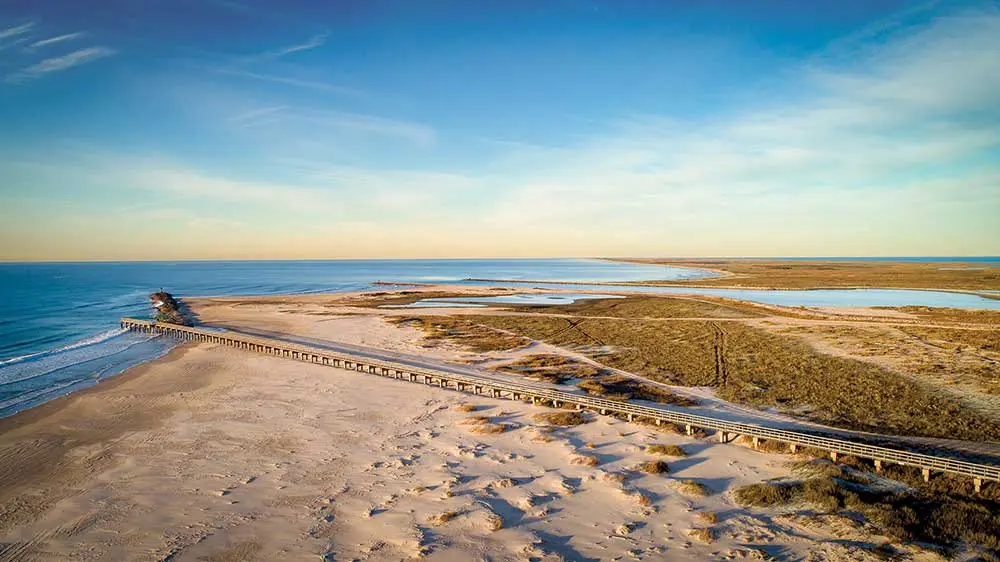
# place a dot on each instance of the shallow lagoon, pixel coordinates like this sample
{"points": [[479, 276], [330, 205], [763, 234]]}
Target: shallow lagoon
{"points": [[550, 299], [817, 297]]}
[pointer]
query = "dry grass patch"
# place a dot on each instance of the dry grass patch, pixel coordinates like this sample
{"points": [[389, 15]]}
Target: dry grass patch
{"points": [[495, 521], [707, 517], [502, 483], [491, 428], [653, 467], [917, 515], [484, 426], [943, 356], [616, 477], [564, 419], [764, 494], [442, 518], [467, 333], [466, 408], [644, 500], [584, 460], [555, 369], [666, 450], [647, 307], [957, 315], [703, 535], [622, 387], [693, 488], [751, 366]]}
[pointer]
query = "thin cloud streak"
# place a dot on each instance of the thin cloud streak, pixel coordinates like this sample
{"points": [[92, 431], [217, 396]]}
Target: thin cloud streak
{"points": [[54, 40], [308, 84], [58, 64], [17, 30], [314, 42], [417, 133], [255, 113]]}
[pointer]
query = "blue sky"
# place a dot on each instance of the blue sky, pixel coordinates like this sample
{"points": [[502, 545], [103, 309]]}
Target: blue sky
{"points": [[265, 129]]}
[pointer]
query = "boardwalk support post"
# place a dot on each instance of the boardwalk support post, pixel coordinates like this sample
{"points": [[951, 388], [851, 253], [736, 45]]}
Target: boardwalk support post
{"points": [[977, 484], [926, 472], [878, 465], [793, 448], [688, 430]]}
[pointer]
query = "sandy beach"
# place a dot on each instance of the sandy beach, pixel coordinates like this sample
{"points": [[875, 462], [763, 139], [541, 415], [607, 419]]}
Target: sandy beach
{"points": [[215, 454]]}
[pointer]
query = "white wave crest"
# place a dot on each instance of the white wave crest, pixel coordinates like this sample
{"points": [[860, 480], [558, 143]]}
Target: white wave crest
{"points": [[103, 336]]}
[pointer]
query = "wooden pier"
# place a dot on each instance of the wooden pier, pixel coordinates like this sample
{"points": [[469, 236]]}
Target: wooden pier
{"points": [[535, 393]]}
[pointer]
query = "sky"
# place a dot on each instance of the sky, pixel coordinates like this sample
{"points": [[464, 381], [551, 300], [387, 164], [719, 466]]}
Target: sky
{"points": [[294, 129]]}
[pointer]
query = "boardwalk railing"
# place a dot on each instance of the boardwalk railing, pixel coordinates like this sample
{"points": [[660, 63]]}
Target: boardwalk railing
{"points": [[539, 393]]}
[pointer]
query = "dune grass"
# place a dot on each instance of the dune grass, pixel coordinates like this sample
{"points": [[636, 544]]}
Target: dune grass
{"points": [[955, 315], [653, 467], [666, 450], [707, 517], [751, 366], [649, 307], [693, 488], [490, 428], [471, 335], [584, 460], [941, 355], [484, 425], [920, 515], [556, 369], [703, 535], [442, 518], [622, 387], [564, 418]]}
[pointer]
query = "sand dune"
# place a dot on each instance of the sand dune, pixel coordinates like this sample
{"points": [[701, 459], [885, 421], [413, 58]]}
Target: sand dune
{"points": [[216, 454]]}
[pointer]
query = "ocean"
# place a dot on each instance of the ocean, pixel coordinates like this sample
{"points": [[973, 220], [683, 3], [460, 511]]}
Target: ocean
{"points": [[59, 321]]}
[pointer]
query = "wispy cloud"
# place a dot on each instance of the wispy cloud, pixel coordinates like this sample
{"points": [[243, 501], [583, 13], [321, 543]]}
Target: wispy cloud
{"points": [[255, 114], [417, 133], [16, 30], [56, 39], [901, 136], [290, 81], [313, 42], [58, 64]]}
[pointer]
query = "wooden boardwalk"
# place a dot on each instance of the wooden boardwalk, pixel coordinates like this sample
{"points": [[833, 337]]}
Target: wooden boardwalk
{"points": [[726, 430]]}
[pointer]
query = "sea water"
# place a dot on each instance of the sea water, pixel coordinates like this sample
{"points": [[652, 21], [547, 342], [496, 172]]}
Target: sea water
{"points": [[59, 321]]}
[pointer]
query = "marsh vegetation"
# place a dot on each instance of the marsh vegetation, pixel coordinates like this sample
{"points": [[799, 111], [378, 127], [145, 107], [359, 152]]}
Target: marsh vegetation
{"points": [[786, 274]]}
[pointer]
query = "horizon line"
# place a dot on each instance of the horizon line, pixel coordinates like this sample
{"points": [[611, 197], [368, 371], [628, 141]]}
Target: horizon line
{"points": [[465, 258]]}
